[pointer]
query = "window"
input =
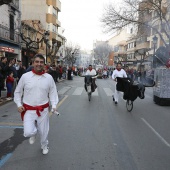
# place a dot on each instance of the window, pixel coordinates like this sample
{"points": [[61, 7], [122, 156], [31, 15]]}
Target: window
{"points": [[54, 28], [54, 11]]}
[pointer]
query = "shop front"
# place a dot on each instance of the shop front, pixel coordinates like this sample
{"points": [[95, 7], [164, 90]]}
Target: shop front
{"points": [[9, 51]]}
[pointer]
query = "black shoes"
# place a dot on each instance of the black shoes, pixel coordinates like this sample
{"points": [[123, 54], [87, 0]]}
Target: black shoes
{"points": [[113, 98]]}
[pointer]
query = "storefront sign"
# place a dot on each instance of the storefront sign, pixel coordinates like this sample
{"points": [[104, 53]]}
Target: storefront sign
{"points": [[7, 49]]}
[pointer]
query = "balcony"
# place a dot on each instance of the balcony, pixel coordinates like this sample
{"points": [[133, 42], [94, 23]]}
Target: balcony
{"points": [[2, 2], [9, 35], [58, 5]]}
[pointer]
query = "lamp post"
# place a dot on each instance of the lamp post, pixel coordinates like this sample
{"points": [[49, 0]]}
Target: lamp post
{"points": [[155, 39], [46, 38]]}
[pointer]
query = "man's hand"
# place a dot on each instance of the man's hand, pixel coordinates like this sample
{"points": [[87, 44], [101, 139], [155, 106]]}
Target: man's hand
{"points": [[21, 109], [54, 111]]}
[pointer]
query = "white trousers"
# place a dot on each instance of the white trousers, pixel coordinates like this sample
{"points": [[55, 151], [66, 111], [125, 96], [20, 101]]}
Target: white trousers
{"points": [[116, 94], [30, 128]]}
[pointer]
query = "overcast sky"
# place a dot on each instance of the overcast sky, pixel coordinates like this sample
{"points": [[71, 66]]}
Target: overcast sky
{"points": [[81, 21]]}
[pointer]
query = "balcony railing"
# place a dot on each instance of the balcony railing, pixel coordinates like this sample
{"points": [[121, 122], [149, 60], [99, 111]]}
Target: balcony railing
{"points": [[9, 35]]}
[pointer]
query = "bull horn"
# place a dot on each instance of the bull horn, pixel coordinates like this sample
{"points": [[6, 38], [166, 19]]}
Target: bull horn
{"points": [[150, 85]]}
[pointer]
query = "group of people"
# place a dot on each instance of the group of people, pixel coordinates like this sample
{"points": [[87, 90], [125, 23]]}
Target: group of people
{"points": [[10, 73], [36, 93]]}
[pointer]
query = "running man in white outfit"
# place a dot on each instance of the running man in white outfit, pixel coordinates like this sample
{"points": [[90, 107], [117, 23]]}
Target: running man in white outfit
{"points": [[118, 72], [92, 72], [37, 89]]}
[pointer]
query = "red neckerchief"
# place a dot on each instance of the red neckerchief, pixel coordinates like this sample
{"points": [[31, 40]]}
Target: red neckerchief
{"points": [[118, 69], [38, 73], [90, 69]]}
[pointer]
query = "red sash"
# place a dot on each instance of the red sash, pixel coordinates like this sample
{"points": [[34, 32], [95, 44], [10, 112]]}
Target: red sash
{"points": [[37, 108]]}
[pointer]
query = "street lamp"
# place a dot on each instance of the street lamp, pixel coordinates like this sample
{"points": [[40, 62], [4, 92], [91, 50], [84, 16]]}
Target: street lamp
{"points": [[46, 38], [155, 39]]}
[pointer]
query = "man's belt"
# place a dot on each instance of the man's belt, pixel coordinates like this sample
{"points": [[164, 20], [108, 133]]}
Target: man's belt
{"points": [[37, 108]]}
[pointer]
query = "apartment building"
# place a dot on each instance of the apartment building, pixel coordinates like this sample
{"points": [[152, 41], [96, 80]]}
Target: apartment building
{"points": [[119, 43], [10, 29], [46, 11]]}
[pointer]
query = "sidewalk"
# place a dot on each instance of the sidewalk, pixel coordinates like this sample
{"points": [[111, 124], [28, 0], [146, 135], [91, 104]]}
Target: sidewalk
{"points": [[4, 94], [4, 98]]}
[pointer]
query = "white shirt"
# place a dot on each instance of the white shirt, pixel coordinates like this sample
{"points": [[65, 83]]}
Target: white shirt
{"points": [[36, 90], [91, 73], [120, 73]]}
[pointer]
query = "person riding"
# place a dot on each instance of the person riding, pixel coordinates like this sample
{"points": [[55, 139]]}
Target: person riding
{"points": [[91, 72], [118, 72]]}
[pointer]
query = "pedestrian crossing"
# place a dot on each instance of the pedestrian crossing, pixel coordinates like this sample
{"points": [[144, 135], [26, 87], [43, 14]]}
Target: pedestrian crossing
{"points": [[78, 91]]}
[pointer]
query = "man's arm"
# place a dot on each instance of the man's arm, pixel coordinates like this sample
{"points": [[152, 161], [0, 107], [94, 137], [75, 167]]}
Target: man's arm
{"points": [[53, 95], [18, 94]]}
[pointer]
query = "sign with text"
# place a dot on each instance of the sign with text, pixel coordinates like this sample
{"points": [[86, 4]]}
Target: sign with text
{"points": [[7, 49]]}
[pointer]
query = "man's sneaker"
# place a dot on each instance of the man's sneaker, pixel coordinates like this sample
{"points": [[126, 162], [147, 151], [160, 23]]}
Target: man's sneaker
{"points": [[115, 102], [32, 139], [45, 150]]}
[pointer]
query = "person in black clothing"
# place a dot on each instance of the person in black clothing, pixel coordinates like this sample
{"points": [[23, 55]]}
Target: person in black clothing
{"points": [[21, 71], [4, 70], [69, 71], [53, 73]]}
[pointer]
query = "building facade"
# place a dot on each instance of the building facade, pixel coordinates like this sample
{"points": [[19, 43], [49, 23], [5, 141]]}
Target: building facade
{"points": [[46, 11], [10, 18]]}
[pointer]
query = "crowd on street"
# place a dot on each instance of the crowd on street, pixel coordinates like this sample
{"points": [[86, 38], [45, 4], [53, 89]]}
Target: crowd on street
{"points": [[11, 71]]}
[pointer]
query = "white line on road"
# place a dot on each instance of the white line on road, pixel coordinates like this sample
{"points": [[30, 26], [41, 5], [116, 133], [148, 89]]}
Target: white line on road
{"points": [[108, 91], [78, 91], [95, 93], [156, 133], [63, 90]]}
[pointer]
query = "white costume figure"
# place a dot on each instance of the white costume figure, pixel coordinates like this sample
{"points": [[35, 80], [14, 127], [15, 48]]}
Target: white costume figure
{"points": [[118, 72], [37, 90], [91, 72]]}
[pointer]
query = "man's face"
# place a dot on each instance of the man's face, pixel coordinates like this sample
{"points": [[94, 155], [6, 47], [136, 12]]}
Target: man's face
{"points": [[119, 66], [38, 64], [90, 67]]}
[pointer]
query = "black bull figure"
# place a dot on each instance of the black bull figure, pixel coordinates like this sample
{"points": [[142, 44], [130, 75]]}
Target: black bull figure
{"points": [[131, 91], [89, 81]]}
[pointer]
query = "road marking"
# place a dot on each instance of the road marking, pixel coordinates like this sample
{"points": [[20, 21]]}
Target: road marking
{"points": [[95, 93], [78, 91], [63, 90], [59, 104], [11, 124], [156, 133], [108, 91], [5, 159], [12, 127]]}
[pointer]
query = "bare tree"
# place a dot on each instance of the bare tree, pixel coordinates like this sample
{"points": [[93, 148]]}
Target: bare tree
{"points": [[134, 12], [29, 35], [71, 52], [101, 53]]}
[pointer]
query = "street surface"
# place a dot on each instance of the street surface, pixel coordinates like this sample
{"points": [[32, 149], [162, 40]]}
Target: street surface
{"points": [[95, 135]]}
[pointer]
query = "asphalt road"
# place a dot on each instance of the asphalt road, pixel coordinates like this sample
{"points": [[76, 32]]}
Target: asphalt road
{"points": [[95, 135]]}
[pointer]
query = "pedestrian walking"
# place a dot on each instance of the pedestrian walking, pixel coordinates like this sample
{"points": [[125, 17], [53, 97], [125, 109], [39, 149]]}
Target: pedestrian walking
{"points": [[37, 89], [118, 72]]}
